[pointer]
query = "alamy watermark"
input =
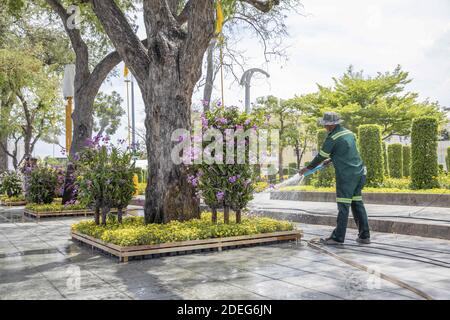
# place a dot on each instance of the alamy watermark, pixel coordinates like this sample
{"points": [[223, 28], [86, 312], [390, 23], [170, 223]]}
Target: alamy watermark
{"points": [[74, 20], [230, 146]]}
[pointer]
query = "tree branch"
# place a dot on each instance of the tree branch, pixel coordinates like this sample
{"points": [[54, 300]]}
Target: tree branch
{"points": [[103, 68], [201, 21], [183, 17], [78, 45], [264, 6], [127, 44]]}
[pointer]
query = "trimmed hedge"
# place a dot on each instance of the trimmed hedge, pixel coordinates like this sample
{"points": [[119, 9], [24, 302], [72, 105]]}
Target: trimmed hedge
{"points": [[371, 150], [448, 159], [395, 160], [325, 177], [385, 160], [292, 169], [424, 159], [406, 161]]}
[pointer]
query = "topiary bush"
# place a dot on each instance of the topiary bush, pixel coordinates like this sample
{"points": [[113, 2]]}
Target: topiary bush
{"points": [[385, 160], [395, 160], [448, 159], [326, 176], [292, 169], [371, 150], [424, 159], [10, 184], [406, 161], [43, 183]]}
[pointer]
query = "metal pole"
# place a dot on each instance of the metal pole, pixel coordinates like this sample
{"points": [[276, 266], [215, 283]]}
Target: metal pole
{"points": [[69, 107], [246, 80], [128, 111], [133, 116], [247, 98]]}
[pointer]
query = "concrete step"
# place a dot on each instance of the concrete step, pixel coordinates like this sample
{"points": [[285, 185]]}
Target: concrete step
{"points": [[415, 227]]}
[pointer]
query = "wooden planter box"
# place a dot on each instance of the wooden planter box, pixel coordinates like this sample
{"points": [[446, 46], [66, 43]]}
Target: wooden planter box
{"points": [[48, 214], [65, 213], [123, 253], [13, 204]]}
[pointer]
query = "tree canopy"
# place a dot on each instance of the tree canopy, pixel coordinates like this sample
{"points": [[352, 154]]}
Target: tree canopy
{"points": [[361, 99]]}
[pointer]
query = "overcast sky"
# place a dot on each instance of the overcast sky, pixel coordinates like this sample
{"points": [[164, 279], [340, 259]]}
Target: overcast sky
{"points": [[372, 35]]}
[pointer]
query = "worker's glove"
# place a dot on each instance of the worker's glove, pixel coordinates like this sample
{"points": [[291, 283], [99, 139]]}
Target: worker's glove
{"points": [[326, 162]]}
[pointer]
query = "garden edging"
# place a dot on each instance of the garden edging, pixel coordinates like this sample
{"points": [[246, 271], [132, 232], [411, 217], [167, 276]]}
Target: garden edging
{"points": [[123, 253], [406, 199]]}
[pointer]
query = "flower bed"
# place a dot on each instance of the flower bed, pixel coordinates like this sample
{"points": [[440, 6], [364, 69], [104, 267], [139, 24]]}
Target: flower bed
{"points": [[12, 201], [134, 238], [56, 210]]}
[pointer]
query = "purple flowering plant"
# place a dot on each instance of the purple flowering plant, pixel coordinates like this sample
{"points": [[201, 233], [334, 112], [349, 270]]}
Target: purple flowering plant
{"points": [[105, 177], [42, 185], [228, 186], [10, 184]]}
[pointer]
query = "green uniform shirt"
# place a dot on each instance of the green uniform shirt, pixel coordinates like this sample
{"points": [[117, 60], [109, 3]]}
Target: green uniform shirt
{"points": [[340, 146]]}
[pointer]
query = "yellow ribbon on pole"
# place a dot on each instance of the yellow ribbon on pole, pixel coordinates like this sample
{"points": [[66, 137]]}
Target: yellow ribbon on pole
{"points": [[219, 18], [127, 81]]}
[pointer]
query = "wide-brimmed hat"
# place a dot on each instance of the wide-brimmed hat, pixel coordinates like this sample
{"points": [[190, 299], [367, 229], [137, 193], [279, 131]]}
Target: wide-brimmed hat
{"points": [[330, 118]]}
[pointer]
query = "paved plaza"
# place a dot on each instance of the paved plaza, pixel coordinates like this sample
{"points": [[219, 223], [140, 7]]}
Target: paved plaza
{"points": [[40, 261]]}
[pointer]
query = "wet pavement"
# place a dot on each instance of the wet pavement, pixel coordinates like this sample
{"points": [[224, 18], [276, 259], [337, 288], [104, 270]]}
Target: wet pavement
{"points": [[419, 214], [40, 261]]}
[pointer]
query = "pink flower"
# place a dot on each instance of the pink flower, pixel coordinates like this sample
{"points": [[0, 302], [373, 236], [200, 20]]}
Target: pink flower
{"points": [[232, 179], [220, 195], [222, 120]]}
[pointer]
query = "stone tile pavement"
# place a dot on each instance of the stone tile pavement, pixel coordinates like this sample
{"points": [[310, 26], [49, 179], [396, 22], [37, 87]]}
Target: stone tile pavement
{"points": [[40, 261]]}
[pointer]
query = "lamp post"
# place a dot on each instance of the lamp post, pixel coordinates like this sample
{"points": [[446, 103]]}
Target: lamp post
{"points": [[130, 80], [68, 93], [133, 117], [246, 81]]}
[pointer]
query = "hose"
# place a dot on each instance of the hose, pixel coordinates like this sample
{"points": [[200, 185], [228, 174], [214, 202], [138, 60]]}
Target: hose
{"points": [[313, 243]]}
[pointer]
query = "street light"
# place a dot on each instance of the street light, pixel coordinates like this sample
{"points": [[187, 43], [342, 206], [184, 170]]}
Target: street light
{"points": [[133, 113], [68, 93], [246, 81]]}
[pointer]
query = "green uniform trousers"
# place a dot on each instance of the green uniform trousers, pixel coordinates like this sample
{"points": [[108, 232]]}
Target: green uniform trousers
{"points": [[348, 195]]}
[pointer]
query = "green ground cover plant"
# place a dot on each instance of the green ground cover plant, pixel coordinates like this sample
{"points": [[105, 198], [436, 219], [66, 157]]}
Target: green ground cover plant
{"points": [[133, 231]]}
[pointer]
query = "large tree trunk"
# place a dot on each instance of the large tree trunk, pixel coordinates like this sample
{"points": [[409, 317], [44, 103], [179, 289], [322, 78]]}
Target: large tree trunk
{"points": [[209, 80], [169, 196], [3, 155], [280, 162], [166, 69]]}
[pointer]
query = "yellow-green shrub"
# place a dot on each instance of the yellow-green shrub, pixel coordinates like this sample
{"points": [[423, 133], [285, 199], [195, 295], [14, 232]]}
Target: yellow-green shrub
{"points": [[395, 160], [368, 190], [326, 176], [406, 161], [447, 158], [424, 160], [141, 188], [371, 149], [134, 232], [54, 207]]}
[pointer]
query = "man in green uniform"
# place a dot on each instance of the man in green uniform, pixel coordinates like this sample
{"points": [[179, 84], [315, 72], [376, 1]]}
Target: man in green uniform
{"points": [[340, 148]]}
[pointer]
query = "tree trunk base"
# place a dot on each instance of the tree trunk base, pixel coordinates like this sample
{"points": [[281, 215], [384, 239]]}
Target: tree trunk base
{"points": [[226, 215], [214, 215], [238, 216]]}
